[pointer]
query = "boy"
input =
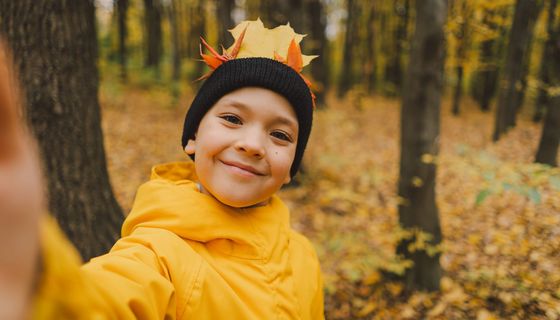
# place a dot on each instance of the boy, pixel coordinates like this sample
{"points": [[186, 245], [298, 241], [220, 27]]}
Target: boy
{"points": [[209, 239]]}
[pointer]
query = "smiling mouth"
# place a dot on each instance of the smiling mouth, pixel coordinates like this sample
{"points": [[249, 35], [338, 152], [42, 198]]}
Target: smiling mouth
{"points": [[243, 169]]}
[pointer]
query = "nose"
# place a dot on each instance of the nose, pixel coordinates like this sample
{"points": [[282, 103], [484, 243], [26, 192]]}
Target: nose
{"points": [[251, 142]]}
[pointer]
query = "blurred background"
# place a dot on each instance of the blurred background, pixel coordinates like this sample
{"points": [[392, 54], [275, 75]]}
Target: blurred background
{"points": [[430, 186]]}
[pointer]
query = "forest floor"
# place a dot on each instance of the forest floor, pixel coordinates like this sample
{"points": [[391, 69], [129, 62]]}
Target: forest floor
{"points": [[500, 213]]}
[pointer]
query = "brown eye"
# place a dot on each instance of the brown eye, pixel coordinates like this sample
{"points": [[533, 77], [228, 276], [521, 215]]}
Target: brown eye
{"points": [[231, 119], [281, 135]]}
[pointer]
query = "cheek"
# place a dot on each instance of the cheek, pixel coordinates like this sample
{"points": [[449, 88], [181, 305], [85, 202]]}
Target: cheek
{"points": [[211, 141], [283, 160]]}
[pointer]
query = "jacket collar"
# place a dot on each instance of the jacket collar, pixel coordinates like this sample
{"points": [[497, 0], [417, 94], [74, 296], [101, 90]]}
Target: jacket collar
{"points": [[171, 201]]}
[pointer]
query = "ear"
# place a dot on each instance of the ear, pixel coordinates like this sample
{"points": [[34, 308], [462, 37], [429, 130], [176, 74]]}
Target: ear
{"points": [[288, 179], [190, 147]]}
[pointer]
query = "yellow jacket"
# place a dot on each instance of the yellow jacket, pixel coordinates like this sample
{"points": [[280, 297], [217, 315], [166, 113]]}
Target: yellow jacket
{"points": [[184, 255]]}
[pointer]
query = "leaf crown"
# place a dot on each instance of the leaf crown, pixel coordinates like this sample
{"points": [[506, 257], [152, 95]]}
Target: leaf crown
{"points": [[252, 39]]}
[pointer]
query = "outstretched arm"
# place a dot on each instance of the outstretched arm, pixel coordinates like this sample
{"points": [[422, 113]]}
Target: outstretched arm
{"points": [[40, 274], [21, 200]]}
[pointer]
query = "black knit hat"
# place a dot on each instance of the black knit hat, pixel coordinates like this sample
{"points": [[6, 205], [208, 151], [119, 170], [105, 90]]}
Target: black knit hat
{"points": [[254, 72]]}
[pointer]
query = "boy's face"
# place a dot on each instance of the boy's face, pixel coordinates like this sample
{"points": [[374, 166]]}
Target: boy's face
{"points": [[245, 146]]}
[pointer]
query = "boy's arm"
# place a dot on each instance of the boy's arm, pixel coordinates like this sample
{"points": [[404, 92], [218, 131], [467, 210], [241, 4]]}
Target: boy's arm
{"points": [[43, 279], [124, 284]]}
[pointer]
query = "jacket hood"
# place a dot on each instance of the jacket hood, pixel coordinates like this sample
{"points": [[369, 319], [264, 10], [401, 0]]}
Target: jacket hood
{"points": [[171, 200]]}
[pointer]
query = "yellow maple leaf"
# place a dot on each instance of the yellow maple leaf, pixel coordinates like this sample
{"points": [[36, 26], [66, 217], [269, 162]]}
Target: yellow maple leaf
{"points": [[263, 42]]}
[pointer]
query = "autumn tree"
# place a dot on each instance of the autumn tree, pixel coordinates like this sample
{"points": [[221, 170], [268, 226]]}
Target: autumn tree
{"points": [[121, 7], [317, 44], [172, 13], [462, 13], [492, 44], [153, 34], [544, 75], [550, 138], [55, 50], [525, 16], [346, 77], [197, 15], [370, 62], [418, 213], [253, 9], [225, 22], [274, 13], [394, 68]]}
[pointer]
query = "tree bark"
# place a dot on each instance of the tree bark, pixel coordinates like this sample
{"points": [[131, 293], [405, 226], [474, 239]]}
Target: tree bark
{"points": [[346, 77], [519, 96], [122, 8], [542, 96], [463, 41], [175, 47], [153, 41], [419, 141], [225, 22], [484, 84], [55, 49], [253, 9], [458, 90], [548, 146], [547, 152], [394, 71], [526, 13], [370, 68], [488, 76], [318, 45], [198, 28], [275, 13]]}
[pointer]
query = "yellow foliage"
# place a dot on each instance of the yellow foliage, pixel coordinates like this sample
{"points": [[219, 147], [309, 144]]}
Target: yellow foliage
{"points": [[417, 182], [367, 309]]}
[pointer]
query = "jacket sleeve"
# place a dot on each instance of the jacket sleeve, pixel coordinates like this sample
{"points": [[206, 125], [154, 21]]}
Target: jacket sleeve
{"points": [[130, 282], [318, 305]]}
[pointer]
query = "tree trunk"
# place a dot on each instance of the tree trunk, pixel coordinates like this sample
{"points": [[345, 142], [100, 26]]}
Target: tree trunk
{"points": [[122, 8], [526, 13], [419, 142], [489, 76], [154, 45], [519, 96], [542, 97], [548, 146], [275, 13], [485, 81], [346, 77], [318, 45], [182, 15], [547, 152], [458, 89], [463, 41], [370, 68], [253, 9], [174, 31], [394, 71], [198, 27], [55, 49], [225, 22]]}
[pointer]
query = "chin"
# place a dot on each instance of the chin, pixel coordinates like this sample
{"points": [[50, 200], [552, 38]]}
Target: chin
{"points": [[241, 203]]}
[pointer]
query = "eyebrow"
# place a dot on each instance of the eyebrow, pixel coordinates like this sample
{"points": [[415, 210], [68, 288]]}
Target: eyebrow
{"points": [[243, 107]]}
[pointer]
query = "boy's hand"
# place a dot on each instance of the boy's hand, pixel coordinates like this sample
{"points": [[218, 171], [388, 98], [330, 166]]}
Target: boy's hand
{"points": [[21, 201]]}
